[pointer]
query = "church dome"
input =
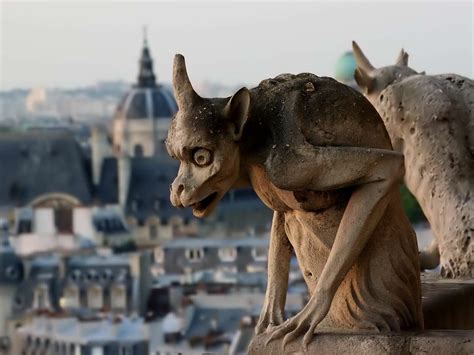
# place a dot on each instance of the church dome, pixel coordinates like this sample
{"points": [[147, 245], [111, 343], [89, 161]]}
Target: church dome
{"points": [[345, 67], [146, 99]]}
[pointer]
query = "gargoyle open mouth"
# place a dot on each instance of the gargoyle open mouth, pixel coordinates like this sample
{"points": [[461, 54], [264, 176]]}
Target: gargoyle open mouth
{"points": [[199, 208]]}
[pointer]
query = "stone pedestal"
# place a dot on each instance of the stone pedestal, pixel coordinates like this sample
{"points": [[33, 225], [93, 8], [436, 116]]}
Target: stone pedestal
{"points": [[426, 342]]}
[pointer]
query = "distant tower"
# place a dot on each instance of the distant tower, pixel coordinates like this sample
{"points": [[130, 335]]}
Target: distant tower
{"points": [[143, 113]]}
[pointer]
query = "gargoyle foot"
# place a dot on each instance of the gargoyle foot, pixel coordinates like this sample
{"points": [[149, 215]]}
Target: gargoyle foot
{"points": [[304, 322], [268, 318]]}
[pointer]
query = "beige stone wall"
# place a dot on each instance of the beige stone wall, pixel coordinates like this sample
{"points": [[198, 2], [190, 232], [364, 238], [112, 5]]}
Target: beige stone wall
{"points": [[131, 133]]}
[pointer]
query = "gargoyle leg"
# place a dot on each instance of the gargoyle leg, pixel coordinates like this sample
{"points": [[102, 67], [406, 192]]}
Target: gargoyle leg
{"points": [[279, 256], [375, 173]]}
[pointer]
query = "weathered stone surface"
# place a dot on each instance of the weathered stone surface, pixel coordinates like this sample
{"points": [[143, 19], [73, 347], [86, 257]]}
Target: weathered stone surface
{"points": [[430, 119], [428, 342], [317, 153]]}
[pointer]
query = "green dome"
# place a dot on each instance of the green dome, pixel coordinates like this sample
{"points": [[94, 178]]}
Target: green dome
{"points": [[345, 67]]}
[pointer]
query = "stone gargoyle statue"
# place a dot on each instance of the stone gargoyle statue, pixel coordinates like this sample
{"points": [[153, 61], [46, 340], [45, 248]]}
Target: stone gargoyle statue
{"points": [[430, 119], [317, 153]]}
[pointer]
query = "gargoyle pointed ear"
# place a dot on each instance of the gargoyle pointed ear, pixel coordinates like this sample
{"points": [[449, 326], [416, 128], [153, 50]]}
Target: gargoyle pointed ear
{"points": [[361, 59], [364, 80], [402, 59], [236, 110], [183, 90], [362, 74]]}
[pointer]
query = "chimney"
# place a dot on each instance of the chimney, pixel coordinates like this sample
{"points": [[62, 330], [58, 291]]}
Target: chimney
{"points": [[100, 149], [124, 172]]}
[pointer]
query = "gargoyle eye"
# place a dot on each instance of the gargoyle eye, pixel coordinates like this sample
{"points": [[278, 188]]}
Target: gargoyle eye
{"points": [[202, 157]]}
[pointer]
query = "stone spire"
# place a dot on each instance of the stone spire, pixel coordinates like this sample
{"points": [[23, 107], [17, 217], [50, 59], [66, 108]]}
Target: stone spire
{"points": [[146, 77]]}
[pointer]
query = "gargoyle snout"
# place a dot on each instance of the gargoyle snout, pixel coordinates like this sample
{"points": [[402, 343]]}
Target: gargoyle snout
{"points": [[176, 189]]}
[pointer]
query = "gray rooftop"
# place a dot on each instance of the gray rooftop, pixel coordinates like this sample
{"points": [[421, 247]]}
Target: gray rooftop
{"points": [[204, 319], [99, 260], [179, 243], [38, 163]]}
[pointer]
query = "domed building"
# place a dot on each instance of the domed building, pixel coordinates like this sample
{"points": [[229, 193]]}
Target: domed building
{"points": [[142, 117], [344, 70], [139, 171]]}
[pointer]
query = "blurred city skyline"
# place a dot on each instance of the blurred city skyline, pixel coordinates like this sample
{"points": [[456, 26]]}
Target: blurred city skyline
{"points": [[71, 44]]}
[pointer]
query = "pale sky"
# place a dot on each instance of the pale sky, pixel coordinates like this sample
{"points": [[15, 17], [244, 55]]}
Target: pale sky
{"points": [[79, 43]]}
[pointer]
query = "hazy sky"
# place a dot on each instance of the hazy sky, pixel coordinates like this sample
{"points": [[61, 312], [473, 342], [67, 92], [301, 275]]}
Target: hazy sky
{"points": [[79, 43]]}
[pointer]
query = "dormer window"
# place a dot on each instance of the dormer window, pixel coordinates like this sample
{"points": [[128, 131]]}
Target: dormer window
{"points": [[194, 254], [228, 254], [121, 275], [76, 275], [92, 276], [153, 229], [107, 275], [12, 273]]}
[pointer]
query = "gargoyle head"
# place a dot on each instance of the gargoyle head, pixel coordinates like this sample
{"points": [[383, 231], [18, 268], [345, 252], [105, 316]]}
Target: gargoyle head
{"points": [[372, 80], [204, 136]]}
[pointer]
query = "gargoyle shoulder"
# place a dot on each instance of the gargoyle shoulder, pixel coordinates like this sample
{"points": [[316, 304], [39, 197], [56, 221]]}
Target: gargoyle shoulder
{"points": [[416, 96]]}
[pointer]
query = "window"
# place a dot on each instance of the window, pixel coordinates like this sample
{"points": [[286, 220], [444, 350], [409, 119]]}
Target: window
{"points": [[121, 275], [93, 276], [118, 297], [70, 297], [138, 150], [195, 254], [126, 350], [259, 253], [153, 231], [24, 226], [41, 297], [63, 220], [227, 254], [76, 275], [95, 297], [107, 275]]}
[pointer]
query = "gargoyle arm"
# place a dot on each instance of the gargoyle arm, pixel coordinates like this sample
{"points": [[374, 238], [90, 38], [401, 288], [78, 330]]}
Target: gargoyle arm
{"points": [[330, 167], [374, 173], [279, 256]]}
